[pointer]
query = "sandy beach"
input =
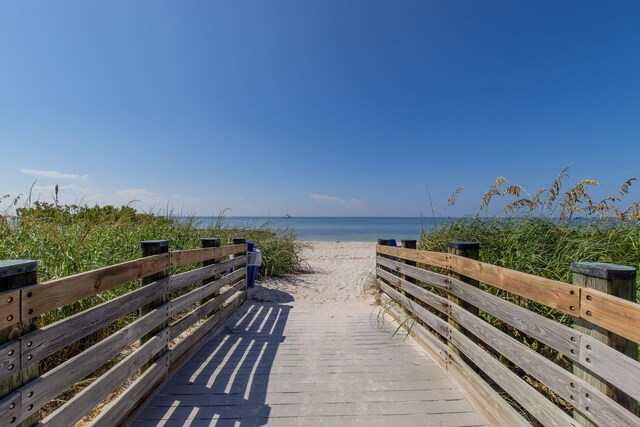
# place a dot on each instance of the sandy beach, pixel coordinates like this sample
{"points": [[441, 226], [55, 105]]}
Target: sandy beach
{"points": [[332, 281]]}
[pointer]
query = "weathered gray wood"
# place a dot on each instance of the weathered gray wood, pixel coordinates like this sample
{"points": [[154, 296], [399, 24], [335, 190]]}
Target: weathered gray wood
{"points": [[469, 250], [15, 275], [121, 408], [422, 313], [228, 386], [619, 281], [211, 305], [535, 403], [557, 336], [190, 344], [46, 341], [210, 242], [83, 402], [435, 301], [179, 281], [609, 364], [40, 391], [190, 298], [487, 400], [603, 410], [151, 248]]}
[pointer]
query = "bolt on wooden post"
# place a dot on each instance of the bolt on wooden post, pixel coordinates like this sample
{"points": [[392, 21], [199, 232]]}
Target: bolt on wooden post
{"points": [[617, 280], [15, 275], [468, 250], [210, 242], [149, 248]]}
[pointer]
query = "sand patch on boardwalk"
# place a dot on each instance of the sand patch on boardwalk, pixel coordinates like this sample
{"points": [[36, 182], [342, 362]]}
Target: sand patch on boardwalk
{"points": [[333, 280]]}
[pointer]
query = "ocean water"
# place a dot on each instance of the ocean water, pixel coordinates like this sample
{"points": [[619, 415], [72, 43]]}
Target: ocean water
{"points": [[342, 229]]}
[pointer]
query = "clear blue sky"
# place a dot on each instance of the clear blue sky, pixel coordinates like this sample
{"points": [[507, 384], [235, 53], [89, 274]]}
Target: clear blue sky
{"points": [[324, 108]]}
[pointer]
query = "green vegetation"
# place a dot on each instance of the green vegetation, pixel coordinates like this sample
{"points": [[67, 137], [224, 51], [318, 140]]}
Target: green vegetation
{"points": [[544, 233], [70, 239]]}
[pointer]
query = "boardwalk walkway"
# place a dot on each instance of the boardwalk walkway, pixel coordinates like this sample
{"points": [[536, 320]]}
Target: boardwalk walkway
{"points": [[280, 366]]}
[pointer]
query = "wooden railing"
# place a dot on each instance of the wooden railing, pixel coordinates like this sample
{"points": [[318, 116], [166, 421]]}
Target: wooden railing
{"points": [[163, 320], [452, 312]]}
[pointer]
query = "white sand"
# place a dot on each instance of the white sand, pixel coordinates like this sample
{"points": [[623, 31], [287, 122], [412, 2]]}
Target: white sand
{"points": [[333, 281]]}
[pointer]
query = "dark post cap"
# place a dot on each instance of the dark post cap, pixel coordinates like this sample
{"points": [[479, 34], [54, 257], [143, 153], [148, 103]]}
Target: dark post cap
{"points": [[213, 241], [463, 245], [408, 242], [239, 240], [18, 266], [384, 242], [603, 270], [148, 243]]}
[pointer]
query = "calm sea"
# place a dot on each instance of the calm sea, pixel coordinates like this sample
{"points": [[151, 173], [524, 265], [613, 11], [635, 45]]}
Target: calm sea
{"points": [[343, 229]]}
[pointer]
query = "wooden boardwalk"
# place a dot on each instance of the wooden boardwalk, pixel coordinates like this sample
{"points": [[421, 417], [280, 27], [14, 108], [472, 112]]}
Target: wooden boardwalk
{"points": [[279, 366]]}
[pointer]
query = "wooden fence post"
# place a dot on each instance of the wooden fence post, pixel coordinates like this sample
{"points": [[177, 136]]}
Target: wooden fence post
{"points": [[620, 281], [239, 241], [149, 248], [467, 250], [210, 242], [13, 276], [409, 244]]}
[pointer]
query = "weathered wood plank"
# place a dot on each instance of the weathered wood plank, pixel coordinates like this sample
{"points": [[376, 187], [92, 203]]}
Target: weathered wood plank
{"points": [[179, 281], [602, 409], [9, 307], [561, 296], [43, 297], [535, 403], [41, 343], [83, 402], [612, 313], [192, 256], [190, 298], [186, 348], [486, 400], [557, 336], [184, 323], [120, 409], [40, 391]]}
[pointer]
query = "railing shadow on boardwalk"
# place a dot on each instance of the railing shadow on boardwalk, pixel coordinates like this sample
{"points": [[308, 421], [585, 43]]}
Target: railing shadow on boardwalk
{"points": [[226, 381]]}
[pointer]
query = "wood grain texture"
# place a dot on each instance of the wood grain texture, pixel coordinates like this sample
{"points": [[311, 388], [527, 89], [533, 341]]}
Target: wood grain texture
{"points": [[120, 409], [201, 311], [179, 281], [612, 313], [559, 337], [561, 296], [192, 256], [40, 391], [47, 296], [82, 403], [41, 343], [531, 400], [9, 307]]}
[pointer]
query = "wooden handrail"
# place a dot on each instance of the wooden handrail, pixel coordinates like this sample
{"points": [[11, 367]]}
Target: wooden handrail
{"points": [[184, 299], [609, 364]]}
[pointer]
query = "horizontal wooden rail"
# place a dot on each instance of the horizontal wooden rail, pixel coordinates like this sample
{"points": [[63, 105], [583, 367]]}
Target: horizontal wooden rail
{"points": [[182, 310], [561, 296], [436, 332]]}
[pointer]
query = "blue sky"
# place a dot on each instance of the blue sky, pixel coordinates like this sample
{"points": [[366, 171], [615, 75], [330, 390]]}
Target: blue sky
{"points": [[325, 108]]}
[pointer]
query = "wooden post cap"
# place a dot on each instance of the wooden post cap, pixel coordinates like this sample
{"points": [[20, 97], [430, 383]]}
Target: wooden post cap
{"points": [[603, 270], [384, 242], [463, 245], [13, 267], [208, 242], [409, 244], [239, 240], [154, 243]]}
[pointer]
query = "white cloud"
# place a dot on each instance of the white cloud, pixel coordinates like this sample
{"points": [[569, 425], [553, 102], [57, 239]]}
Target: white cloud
{"points": [[52, 174], [333, 200]]}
